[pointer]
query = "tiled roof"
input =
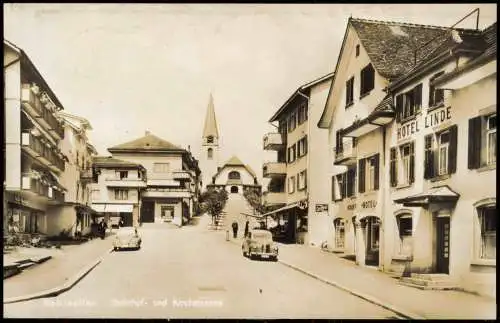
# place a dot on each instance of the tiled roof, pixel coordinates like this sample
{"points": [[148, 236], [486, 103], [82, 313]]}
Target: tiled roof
{"points": [[387, 104], [395, 48], [490, 38], [109, 161], [148, 142]]}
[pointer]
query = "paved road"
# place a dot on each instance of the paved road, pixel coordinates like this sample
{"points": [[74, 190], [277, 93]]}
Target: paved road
{"points": [[193, 273]]}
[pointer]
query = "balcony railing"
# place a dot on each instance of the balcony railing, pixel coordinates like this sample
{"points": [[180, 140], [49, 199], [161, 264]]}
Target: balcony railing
{"points": [[56, 196], [274, 169], [273, 198], [345, 155], [37, 109], [41, 188], [39, 150], [273, 141]]}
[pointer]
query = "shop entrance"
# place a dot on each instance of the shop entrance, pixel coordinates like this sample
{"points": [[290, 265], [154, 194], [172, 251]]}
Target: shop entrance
{"points": [[443, 245], [148, 212], [372, 235]]}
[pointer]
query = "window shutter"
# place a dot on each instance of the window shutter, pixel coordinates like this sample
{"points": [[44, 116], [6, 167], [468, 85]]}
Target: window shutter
{"points": [[474, 148], [339, 141], [452, 152], [377, 171], [298, 181], [361, 178], [393, 165], [305, 145], [333, 188], [399, 107], [418, 98], [412, 162], [429, 157]]}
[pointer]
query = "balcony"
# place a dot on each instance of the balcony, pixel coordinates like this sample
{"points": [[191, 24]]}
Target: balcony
{"points": [[36, 109], [273, 169], [273, 198], [345, 155], [86, 175], [125, 182], [273, 141], [42, 189], [39, 150], [171, 192], [182, 175], [55, 196]]}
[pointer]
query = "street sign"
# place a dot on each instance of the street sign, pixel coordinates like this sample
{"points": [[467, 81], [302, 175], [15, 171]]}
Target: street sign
{"points": [[321, 207]]}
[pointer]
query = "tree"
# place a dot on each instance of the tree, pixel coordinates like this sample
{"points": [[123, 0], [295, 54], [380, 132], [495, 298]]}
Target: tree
{"points": [[213, 202], [254, 198]]}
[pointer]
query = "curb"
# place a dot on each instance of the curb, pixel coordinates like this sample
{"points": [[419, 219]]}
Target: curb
{"points": [[405, 314], [373, 300], [60, 289]]}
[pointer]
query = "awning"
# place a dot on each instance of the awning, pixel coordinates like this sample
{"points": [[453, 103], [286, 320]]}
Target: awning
{"points": [[290, 206], [113, 208], [440, 194]]}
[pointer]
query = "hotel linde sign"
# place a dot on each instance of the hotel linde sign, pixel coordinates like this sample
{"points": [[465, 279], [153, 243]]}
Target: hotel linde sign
{"points": [[432, 119]]}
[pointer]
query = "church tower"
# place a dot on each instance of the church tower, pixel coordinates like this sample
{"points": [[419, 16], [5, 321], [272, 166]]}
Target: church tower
{"points": [[209, 158]]}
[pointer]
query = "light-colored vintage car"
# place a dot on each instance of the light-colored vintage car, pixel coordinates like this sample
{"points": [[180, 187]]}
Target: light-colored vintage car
{"points": [[259, 243], [127, 238]]}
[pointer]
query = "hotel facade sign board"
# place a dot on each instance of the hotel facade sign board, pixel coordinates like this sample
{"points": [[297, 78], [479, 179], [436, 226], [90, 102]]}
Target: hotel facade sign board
{"points": [[432, 119]]}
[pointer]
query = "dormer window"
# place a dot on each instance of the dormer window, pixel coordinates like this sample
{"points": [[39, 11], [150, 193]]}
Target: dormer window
{"points": [[349, 92], [436, 96], [367, 80], [210, 139]]}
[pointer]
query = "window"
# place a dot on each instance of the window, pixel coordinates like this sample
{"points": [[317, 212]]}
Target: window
{"points": [[371, 177], [349, 92], [341, 185], [339, 233], [302, 180], [302, 147], [436, 96], [161, 167], [350, 182], [393, 172], [302, 116], [367, 80], [234, 189], [234, 175], [405, 226], [440, 153], [121, 174], [291, 184], [482, 148], [292, 153], [408, 104], [488, 224], [210, 153], [333, 189], [210, 139], [121, 194], [292, 121], [357, 50], [408, 161]]}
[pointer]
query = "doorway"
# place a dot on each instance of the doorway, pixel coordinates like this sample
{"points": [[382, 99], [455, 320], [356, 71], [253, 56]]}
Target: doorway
{"points": [[148, 212], [443, 245], [372, 236]]}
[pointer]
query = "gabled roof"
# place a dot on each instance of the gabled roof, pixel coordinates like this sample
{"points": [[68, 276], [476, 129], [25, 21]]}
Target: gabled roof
{"points": [[302, 88], [71, 118], [149, 142], [29, 67], [235, 161], [210, 128], [394, 48], [111, 162]]}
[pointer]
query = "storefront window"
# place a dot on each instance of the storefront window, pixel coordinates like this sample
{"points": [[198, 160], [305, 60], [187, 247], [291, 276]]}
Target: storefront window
{"points": [[339, 233], [488, 223]]}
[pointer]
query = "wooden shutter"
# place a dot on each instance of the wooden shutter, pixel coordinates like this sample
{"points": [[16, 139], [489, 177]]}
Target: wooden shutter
{"points": [[393, 170], [418, 97], [339, 141], [377, 171], [361, 176], [474, 148], [399, 107], [412, 162], [333, 188], [452, 151], [429, 157]]}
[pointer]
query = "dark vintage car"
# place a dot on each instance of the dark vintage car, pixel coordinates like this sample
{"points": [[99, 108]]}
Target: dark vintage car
{"points": [[259, 243]]}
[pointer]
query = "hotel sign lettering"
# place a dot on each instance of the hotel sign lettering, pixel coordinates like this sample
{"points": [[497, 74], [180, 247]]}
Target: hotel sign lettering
{"points": [[321, 207], [370, 204], [432, 119]]}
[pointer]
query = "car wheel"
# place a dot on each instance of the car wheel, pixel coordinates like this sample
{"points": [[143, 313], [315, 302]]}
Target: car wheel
{"points": [[275, 258], [116, 248]]}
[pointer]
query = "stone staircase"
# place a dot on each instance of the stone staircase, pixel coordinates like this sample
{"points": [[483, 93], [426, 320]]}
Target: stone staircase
{"points": [[430, 282]]}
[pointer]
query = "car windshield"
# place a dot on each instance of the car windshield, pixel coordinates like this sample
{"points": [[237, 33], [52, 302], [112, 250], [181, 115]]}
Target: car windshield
{"points": [[126, 231], [262, 235]]}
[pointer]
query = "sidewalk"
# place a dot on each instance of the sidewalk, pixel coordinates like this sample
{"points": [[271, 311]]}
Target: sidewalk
{"points": [[382, 289], [64, 265]]}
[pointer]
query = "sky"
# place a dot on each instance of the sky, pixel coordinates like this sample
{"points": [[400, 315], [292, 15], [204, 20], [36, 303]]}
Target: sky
{"points": [[131, 68]]}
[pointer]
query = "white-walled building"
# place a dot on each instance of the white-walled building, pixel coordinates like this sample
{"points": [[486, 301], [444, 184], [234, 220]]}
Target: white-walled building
{"points": [[33, 159], [296, 195], [172, 178]]}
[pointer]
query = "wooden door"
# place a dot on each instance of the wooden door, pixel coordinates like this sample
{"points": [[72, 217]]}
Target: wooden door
{"points": [[443, 245]]}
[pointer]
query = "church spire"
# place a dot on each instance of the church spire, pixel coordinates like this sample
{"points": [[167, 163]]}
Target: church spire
{"points": [[210, 128]]}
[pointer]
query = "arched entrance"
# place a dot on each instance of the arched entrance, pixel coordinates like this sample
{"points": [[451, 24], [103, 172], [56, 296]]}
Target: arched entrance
{"points": [[234, 189]]}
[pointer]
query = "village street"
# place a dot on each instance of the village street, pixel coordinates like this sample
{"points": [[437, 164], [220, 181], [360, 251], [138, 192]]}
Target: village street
{"points": [[175, 266]]}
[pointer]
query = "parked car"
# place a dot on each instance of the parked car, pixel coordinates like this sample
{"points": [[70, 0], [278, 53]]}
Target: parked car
{"points": [[259, 243], [127, 238]]}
